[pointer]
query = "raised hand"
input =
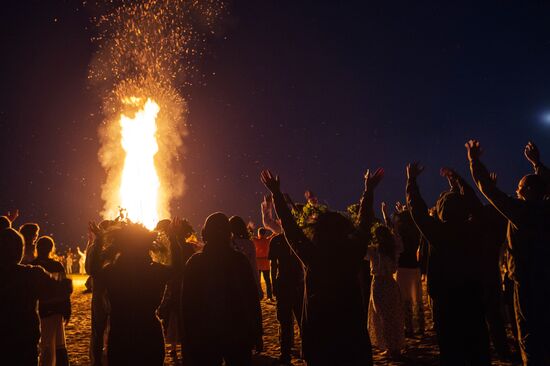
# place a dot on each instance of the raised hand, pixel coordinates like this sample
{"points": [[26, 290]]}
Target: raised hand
{"points": [[384, 210], [94, 230], [532, 153], [270, 181], [371, 181], [448, 173], [174, 227], [451, 176], [13, 216], [474, 149], [414, 170], [399, 207]]}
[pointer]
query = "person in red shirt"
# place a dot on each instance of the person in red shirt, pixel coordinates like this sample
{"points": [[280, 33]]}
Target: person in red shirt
{"points": [[262, 249]]}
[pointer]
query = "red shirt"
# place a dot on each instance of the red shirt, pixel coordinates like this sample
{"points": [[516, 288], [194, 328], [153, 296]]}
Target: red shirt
{"points": [[262, 250]]}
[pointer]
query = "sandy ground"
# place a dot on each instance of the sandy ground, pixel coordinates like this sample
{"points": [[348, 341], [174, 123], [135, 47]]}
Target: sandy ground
{"points": [[419, 351]]}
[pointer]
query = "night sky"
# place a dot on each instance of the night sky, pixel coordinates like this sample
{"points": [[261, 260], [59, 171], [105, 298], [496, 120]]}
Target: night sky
{"points": [[316, 92]]}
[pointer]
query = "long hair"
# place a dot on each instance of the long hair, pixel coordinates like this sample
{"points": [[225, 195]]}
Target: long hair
{"points": [[383, 237], [11, 246], [133, 240], [238, 228], [330, 227]]}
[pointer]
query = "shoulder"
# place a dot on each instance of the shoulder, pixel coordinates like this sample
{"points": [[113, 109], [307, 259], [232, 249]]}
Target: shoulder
{"points": [[277, 239], [55, 266], [238, 258], [160, 269], [34, 272], [195, 260]]}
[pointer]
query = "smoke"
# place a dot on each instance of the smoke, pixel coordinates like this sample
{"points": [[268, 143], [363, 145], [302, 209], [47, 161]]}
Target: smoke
{"points": [[148, 49]]}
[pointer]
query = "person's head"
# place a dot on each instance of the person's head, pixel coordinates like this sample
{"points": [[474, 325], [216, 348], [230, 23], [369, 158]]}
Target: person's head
{"points": [[44, 247], [106, 224], [384, 238], [134, 241], [402, 220], [216, 230], [184, 229], [452, 207], [531, 188], [331, 228], [238, 228], [262, 232], [30, 232], [4, 222], [11, 246], [163, 225]]}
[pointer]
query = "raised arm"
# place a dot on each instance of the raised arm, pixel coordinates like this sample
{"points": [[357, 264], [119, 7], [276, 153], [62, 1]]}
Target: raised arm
{"points": [[94, 260], [532, 154], [459, 184], [268, 221], [12, 216], [294, 235], [419, 209], [385, 215], [366, 205], [176, 237], [507, 206], [80, 252]]}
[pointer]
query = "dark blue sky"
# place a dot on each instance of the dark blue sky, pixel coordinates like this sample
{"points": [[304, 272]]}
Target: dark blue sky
{"points": [[317, 92]]}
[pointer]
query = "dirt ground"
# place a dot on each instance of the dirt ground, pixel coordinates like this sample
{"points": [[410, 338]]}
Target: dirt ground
{"points": [[419, 351]]}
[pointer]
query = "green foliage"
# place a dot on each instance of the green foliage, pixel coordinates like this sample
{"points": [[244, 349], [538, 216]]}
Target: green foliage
{"points": [[309, 214], [353, 212]]}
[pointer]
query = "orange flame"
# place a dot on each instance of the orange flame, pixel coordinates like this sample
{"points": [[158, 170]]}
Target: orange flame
{"points": [[140, 183]]}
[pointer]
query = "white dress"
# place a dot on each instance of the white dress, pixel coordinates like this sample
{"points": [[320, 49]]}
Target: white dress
{"points": [[385, 320]]}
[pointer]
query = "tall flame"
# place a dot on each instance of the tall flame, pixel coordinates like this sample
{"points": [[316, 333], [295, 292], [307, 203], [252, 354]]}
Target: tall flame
{"points": [[140, 183]]}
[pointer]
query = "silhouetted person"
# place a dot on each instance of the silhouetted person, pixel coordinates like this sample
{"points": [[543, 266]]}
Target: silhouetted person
{"points": [[528, 218], [134, 287], [333, 331], [53, 314], [409, 272], [288, 287], [261, 244], [455, 290], [494, 238], [21, 287], [96, 258], [242, 243], [170, 307], [220, 304], [30, 234], [70, 262], [81, 261]]}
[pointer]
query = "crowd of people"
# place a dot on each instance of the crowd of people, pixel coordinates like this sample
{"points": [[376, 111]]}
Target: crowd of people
{"points": [[350, 281]]}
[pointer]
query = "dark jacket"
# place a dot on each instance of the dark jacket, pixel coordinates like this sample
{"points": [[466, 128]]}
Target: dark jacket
{"points": [[334, 318], [528, 230], [219, 301]]}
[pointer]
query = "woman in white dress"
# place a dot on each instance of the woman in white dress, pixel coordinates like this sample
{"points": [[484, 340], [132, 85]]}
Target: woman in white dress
{"points": [[385, 320], [81, 261], [69, 260]]}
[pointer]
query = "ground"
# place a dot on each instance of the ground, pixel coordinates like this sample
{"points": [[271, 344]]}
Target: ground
{"points": [[419, 351]]}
